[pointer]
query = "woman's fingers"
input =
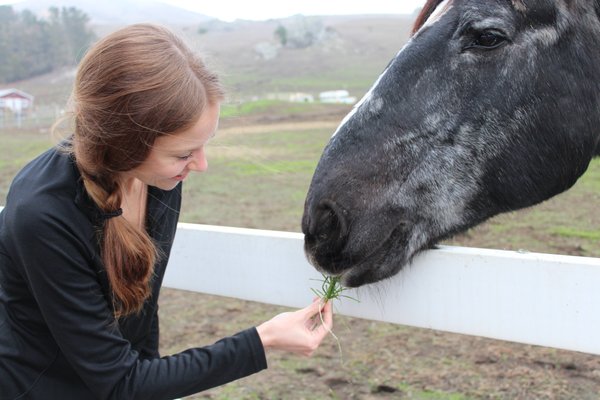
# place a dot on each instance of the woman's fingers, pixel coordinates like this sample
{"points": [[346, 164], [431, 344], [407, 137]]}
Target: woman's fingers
{"points": [[300, 332], [322, 319], [319, 318]]}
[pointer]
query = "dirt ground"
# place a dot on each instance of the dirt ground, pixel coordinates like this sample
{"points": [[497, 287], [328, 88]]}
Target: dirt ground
{"points": [[380, 360]]}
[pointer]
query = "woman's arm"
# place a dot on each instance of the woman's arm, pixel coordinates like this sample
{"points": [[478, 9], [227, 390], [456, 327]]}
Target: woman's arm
{"points": [[150, 347]]}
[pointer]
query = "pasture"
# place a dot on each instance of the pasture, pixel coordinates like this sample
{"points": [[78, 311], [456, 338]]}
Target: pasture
{"points": [[259, 171]]}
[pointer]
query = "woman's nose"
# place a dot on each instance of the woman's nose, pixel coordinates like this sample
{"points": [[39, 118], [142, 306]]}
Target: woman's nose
{"points": [[199, 162]]}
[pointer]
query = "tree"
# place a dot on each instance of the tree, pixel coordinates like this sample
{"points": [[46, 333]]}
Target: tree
{"points": [[281, 34], [300, 32], [79, 37], [30, 46]]}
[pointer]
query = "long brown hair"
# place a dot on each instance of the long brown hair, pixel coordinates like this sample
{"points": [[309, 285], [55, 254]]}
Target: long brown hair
{"points": [[133, 86]]}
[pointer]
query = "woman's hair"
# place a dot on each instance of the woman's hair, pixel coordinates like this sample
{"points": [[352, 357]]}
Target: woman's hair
{"points": [[134, 85]]}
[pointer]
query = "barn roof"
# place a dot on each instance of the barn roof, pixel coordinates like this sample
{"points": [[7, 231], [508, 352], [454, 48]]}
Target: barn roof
{"points": [[7, 92]]}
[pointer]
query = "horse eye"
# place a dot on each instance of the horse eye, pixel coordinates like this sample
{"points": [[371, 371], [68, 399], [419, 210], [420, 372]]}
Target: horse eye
{"points": [[487, 40]]}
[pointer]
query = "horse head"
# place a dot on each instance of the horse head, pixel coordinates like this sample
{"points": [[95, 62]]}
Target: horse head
{"points": [[491, 106]]}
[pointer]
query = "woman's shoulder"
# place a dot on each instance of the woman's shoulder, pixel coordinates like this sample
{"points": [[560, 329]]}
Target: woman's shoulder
{"points": [[45, 188], [50, 172], [41, 218]]}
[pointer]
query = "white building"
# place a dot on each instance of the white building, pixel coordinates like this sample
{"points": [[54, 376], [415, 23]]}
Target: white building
{"points": [[15, 100], [337, 96]]}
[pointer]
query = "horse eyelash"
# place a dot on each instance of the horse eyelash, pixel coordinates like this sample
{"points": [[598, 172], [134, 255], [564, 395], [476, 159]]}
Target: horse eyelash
{"points": [[476, 34]]}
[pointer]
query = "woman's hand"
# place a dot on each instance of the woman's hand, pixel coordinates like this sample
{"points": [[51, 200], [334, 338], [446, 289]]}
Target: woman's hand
{"points": [[299, 332]]}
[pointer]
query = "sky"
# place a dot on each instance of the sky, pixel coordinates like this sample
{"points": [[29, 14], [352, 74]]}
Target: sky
{"points": [[229, 10]]}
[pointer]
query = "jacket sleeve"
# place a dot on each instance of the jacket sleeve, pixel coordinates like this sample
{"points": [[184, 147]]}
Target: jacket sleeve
{"points": [[150, 347], [59, 268]]}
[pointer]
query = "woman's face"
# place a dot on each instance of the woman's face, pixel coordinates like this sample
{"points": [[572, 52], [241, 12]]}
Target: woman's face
{"points": [[174, 156]]}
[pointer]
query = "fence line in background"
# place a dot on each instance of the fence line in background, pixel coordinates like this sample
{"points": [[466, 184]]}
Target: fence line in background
{"points": [[540, 299], [40, 117]]}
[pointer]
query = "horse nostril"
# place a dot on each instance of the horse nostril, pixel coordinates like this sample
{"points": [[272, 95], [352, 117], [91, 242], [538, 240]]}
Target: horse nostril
{"points": [[329, 226]]}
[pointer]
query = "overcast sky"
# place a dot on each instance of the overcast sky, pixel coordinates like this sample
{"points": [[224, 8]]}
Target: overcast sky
{"points": [[229, 10]]}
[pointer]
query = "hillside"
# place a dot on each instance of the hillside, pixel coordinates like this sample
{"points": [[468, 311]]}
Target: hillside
{"points": [[351, 56], [252, 63]]}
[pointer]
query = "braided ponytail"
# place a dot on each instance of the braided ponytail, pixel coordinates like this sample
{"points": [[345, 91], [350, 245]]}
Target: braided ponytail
{"points": [[129, 254], [136, 84]]}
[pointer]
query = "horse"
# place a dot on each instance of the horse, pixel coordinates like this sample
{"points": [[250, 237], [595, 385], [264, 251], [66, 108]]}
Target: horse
{"points": [[490, 106]]}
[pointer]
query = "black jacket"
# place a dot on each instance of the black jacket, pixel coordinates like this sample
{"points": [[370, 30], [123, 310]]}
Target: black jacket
{"points": [[58, 338]]}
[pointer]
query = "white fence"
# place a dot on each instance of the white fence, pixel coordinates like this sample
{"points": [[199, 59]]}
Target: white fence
{"points": [[548, 300]]}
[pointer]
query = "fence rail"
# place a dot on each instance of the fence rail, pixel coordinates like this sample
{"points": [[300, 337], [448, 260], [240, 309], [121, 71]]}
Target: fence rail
{"points": [[540, 299]]}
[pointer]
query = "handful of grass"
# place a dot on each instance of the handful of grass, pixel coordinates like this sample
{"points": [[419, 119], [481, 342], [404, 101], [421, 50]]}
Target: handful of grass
{"points": [[331, 289]]}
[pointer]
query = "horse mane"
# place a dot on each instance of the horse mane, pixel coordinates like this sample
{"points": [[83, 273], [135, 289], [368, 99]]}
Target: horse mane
{"points": [[426, 12]]}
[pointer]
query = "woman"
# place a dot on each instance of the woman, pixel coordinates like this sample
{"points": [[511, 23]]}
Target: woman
{"points": [[87, 229]]}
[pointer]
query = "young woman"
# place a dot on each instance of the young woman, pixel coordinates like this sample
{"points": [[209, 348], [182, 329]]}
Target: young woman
{"points": [[88, 226]]}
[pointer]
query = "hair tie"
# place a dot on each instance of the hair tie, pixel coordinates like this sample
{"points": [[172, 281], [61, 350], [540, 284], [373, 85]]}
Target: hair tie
{"points": [[109, 215]]}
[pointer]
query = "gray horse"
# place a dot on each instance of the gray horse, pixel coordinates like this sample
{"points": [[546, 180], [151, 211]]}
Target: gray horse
{"points": [[491, 106]]}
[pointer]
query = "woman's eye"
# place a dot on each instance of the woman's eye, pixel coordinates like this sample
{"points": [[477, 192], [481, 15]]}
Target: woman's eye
{"points": [[186, 157]]}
